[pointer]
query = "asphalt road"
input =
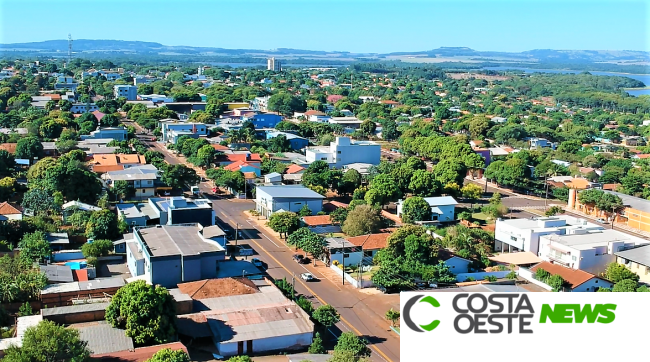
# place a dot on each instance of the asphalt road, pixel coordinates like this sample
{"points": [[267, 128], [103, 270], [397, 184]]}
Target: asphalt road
{"points": [[361, 313]]}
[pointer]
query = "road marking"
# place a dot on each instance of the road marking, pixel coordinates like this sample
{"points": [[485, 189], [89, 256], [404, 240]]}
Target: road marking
{"points": [[382, 354]]}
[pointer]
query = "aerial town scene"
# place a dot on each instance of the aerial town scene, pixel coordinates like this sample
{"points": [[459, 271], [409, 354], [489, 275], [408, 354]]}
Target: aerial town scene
{"points": [[198, 192]]}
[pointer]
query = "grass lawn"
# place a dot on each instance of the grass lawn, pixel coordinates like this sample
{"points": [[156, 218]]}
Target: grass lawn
{"points": [[480, 216]]}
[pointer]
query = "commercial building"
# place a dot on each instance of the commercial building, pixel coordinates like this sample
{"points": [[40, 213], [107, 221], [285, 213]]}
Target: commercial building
{"points": [[83, 107], [173, 129], [167, 211], [171, 254], [523, 234], [130, 92], [636, 260], [442, 208], [270, 199], [635, 212], [273, 65], [588, 250], [344, 151]]}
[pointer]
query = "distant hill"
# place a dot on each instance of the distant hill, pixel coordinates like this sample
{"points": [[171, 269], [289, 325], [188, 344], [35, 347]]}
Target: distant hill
{"points": [[97, 47]]}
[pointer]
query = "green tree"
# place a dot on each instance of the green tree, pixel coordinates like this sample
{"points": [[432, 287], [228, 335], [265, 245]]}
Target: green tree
{"points": [[284, 222], [169, 355], [34, 247], [7, 188], [393, 316], [362, 220], [616, 272], [97, 248], [316, 346], [348, 341], [472, 192], [383, 189], [177, 176], [326, 315], [346, 356], [305, 211], [415, 209], [423, 183], [625, 286], [351, 181], [102, 224], [205, 156], [28, 148], [147, 313], [305, 304], [367, 128], [123, 189], [25, 310], [554, 210], [339, 215], [240, 359], [48, 341]]}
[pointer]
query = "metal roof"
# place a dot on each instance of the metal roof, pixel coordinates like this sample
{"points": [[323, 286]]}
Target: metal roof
{"points": [[79, 308], [58, 273], [212, 232], [102, 283], [290, 191], [103, 338], [640, 255]]}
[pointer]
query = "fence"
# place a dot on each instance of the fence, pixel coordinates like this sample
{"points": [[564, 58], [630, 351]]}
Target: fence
{"points": [[481, 275], [530, 276], [352, 280]]}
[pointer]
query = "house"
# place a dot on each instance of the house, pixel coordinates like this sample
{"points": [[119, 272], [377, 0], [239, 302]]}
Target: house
{"points": [[349, 124], [49, 149], [273, 178], [294, 169], [320, 224], [113, 133], [244, 167], [130, 92], [578, 183], [58, 241], [269, 199], [576, 280], [296, 142], [442, 208], [498, 119], [253, 159], [9, 147], [344, 151], [103, 338], [343, 252], [591, 251], [83, 107], [167, 211], [316, 116], [637, 260], [103, 163], [244, 316], [171, 254], [142, 178], [57, 273], [537, 143], [156, 98], [172, 130], [371, 243], [71, 206], [265, 120], [524, 234], [140, 354], [9, 211], [361, 168]]}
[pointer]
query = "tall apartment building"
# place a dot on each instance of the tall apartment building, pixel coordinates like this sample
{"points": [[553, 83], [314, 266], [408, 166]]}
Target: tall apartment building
{"points": [[130, 92], [273, 64]]}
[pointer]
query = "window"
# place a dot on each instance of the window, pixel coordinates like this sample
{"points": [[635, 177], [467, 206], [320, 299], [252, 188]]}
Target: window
{"points": [[574, 258], [513, 238], [339, 152], [346, 255], [647, 270]]}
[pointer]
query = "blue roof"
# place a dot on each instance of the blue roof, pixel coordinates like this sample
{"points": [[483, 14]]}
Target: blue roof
{"points": [[290, 191]]}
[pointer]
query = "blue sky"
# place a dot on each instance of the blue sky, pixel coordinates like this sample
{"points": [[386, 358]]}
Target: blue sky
{"points": [[352, 25]]}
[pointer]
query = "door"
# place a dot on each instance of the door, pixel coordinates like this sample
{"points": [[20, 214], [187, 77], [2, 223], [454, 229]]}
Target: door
{"points": [[240, 348], [249, 347]]}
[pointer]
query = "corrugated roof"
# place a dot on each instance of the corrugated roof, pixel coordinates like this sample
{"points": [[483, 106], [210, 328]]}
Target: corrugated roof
{"points": [[371, 241], [317, 220], [79, 308], [640, 255], [141, 354], [290, 191], [103, 338], [58, 273], [574, 277], [169, 240]]}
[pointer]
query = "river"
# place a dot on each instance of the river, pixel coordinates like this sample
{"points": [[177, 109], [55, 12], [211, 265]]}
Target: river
{"points": [[645, 78]]}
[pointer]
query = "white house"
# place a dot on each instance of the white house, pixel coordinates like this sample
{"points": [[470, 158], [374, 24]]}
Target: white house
{"points": [[273, 178], [83, 107], [523, 234], [142, 178], [343, 251], [498, 119], [442, 208], [344, 151], [270, 199], [172, 130], [576, 280], [588, 250]]}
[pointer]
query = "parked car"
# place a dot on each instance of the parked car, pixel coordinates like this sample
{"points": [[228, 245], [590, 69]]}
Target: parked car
{"points": [[245, 250], [300, 259], [258, 263], [308, 277], [601, 220]]}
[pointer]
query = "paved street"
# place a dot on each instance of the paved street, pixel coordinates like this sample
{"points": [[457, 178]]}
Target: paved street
{"points": [[361, 312]]}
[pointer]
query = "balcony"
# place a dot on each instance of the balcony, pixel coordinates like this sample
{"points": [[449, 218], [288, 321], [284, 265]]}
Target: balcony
{"points": [[562, 259]]}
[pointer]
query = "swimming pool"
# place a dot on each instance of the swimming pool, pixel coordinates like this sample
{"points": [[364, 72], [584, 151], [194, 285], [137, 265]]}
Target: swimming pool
{"points": [[76, 265]]}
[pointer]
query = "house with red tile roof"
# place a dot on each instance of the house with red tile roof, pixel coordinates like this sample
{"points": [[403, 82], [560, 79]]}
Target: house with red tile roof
{"points": [[9, 211], [244, 167], [250, 158], [293, 169], [576, 280], [371, 243]]}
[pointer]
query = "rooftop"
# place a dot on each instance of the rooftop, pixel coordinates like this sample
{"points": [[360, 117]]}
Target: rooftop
{"points": [[168, 240], [633, 202], [141, 354], [214, 288], [338, 243], [640, 255], [71, 309], [103, 338], [213, 231], [574, 277], [520, 258], [143, 172], [317, 220], [593, 238], [290, 191], [7, 208], [554, 222], [57, 273], [371, 241]]}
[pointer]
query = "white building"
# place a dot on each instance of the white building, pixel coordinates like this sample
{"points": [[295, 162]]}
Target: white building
{"points": [[260, 103], [588, 250], [523, 234], [338, 247], [156, 98], [130, 92], [344, 151], [273, 64], [442, 208], [83, 107]]}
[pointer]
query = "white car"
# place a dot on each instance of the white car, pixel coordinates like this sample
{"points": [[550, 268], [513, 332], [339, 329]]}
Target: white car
{"points": [[601, 220], [307, 277]]}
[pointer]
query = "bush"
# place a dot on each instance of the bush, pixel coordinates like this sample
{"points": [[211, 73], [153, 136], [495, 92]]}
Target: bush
{"points": [[97, 248], [512, 275]]}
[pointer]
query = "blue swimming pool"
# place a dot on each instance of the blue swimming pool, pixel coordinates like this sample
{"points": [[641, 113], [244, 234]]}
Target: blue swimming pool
{"points": [[76, 265]]}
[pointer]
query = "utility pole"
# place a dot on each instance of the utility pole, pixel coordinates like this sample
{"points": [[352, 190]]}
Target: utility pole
{"points": [[293, 282], [343, 274], [236, 233]]}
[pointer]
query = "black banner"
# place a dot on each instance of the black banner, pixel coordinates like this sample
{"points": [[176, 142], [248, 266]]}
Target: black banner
{"points": [[528, 315]]}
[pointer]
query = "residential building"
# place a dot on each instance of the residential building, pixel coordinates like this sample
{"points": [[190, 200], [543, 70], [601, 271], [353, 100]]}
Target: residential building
{"points": [[171, 254], [349, 124], [167, 211], [114, 133], [103, 338], [343, 252], [320, 224], [344, 151], [294, 169], [10, 211], [270, 199], [57, 273], [173, 129], [265, 120], [260, 103], [58, 241], [498, 119], [251, 158], [273, 64], [65, 82], [71, 206], [635, 212], [156, 98], [83, 107], [576, 280], [362, 168], [442, 208], [537, 143], [273, 178], [244, 316], [297, 142], [244, 167], [130, 92], [103, 163], [317, 116], [589, 250], [577, 183], [523, 234], [637, 260], [142, 178], [371, 243]]}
